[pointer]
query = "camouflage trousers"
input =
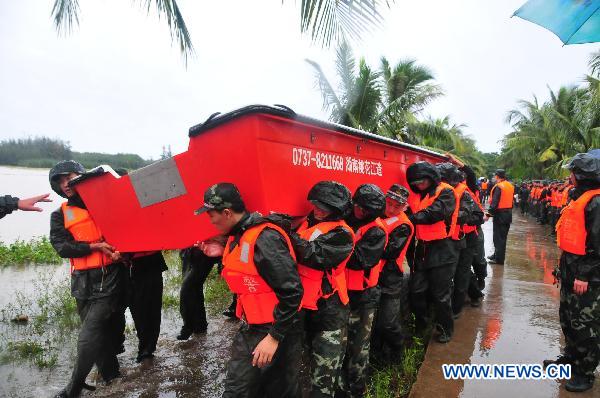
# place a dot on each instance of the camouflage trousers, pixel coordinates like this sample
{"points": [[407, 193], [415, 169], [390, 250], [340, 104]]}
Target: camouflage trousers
{"points": [[327, 350], [356, 361], [580, 323]]}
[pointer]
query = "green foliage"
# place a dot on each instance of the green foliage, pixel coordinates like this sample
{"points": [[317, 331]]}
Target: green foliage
{"points": [[172, 280], [217, 293], [35, 251], [545, 136], [66, 16], [395, 381], [388, 102], [52, 314], [42, 355], [45, 152], [328, 21]]}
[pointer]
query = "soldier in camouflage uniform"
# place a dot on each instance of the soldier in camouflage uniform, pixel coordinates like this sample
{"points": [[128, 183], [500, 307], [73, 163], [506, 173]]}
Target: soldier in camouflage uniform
{"points": [[323, 243], [371, 238], [389, 336], [578, 235]]}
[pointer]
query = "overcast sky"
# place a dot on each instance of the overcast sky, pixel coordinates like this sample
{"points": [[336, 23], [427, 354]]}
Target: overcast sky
{"points": [[116, 84]]}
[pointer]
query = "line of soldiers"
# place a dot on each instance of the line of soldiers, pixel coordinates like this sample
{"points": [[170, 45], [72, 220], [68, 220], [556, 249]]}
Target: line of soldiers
{"points": [[544, 200], [330, 281], [335, 277], [572, 209]]}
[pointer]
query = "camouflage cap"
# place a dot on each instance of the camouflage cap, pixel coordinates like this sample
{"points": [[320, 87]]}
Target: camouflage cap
{"points": [[398, 193], [221, 196]]}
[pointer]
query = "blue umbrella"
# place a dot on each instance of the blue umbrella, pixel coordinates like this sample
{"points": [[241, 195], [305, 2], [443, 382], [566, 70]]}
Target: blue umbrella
{"points": [[595, 153], [573, 21]]}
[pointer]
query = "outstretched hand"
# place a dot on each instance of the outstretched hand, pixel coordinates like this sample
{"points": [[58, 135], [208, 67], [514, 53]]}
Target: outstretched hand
{"points": [[29, 203]]}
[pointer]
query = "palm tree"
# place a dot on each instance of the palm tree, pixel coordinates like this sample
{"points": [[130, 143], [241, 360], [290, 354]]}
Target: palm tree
{"points": [[595, 63], [357, 99], [326, 21], [444, 136], [545, 136], [408, 88], [66, 16], [331, 21]]}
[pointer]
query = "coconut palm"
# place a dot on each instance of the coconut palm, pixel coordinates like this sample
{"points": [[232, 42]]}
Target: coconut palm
{"points": [[444, 136], [408, 88], [326, 21], [66, 15], [334, 21], [546, 136], [356, 101], [595, 63]]}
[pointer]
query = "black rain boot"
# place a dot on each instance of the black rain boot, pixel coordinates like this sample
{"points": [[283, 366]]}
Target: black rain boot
{"points": [[579, 383], [560, 360]]}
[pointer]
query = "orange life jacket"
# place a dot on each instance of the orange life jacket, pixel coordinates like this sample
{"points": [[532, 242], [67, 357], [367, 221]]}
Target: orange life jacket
{"points": [[565, 195], [467, 229], [256, 301], [554, 198], [484, 185], [391, 224], [507, 192], [436, 231], [459, 230], [312, 279], [357, 279], [570, 228], [80, 224]]}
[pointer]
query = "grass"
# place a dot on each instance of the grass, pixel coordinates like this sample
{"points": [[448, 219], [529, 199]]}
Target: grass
{"points": [[35, 251], [43, 356], [172, 279], [52, 314], [216, 293], [396, 380]]}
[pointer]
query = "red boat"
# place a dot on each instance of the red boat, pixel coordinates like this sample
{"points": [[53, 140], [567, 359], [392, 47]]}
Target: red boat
{"points": [[272, 154]]}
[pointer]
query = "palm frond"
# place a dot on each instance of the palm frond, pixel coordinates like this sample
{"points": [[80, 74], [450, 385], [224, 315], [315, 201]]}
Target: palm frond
{"points": [[594, 63], [65, 14], [327, 21], [169, 9], [330, 98]]}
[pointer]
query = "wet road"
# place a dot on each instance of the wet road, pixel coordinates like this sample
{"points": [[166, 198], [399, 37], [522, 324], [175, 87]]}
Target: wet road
{"points": [[516, 324]]}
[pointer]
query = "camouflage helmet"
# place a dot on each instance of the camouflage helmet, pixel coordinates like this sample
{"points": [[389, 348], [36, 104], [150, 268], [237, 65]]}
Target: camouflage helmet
{"points": [[449, 173], [370, 198], [64, 167], [331, 196], [585, 166]]}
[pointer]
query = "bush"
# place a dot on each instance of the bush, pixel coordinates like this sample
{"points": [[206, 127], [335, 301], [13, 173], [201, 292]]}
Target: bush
{"points": [[35, 251]]}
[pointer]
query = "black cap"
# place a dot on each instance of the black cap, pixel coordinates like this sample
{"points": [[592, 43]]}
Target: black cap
{"points": [[500, 173], [221, 196]]}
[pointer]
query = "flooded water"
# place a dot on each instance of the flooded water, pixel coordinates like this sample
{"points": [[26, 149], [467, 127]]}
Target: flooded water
{"points": [[194, 368], [24, 183], [517, 324]]}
